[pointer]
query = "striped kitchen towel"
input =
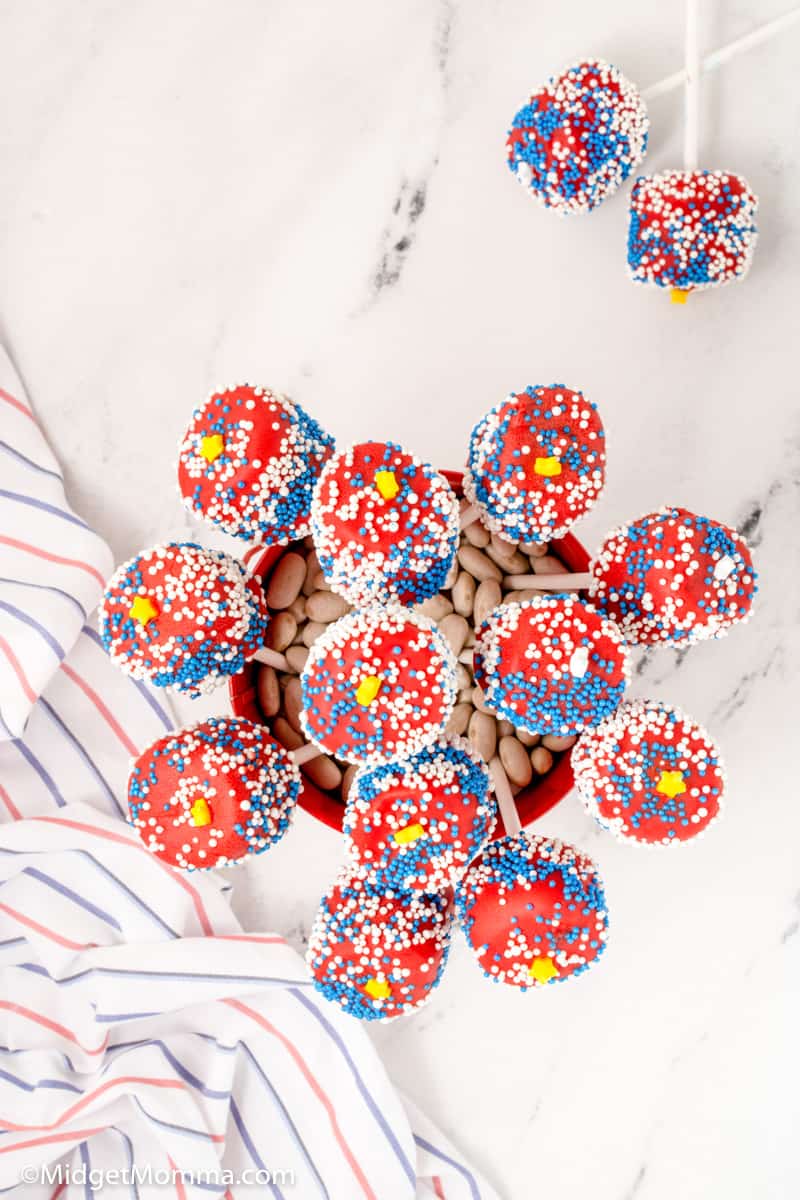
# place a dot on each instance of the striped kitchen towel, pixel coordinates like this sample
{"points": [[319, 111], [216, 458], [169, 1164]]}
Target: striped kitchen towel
{"points": [[148, 1043]]}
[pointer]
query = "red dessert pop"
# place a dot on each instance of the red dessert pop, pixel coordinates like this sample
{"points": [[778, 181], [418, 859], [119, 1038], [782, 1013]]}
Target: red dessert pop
{"points": [[379, 684], [248, 462], [578, 137], [182, 617], [378, 956], [650, 774], [536, 463], [550, 665], [691, 230], [213, 794], [385, 525], [673, 577], [533, 911], [416, 824]]}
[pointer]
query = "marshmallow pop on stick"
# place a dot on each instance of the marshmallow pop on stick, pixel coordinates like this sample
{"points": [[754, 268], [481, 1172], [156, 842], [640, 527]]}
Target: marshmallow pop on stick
{"points": [[691, 230], [670, 576], [416, 824], [248, 462], [649, 774], [184, 617], [536, 464], [379, 684], [385, 525], [673, 577], [578, 137], [551, 665], [378, 955], [213, 794], [533, 911]]}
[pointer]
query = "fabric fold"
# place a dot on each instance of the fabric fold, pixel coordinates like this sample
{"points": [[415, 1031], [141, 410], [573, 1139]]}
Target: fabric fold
{"points": [[160, 1020], [52, 565]]}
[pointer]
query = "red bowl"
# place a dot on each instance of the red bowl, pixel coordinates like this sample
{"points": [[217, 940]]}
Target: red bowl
{"points": [[532, 802]]}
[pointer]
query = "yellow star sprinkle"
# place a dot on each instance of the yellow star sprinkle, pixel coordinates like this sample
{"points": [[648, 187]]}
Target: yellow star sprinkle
{"points": [[212, 446], [143, 609], [368, 689], [378, 988], [543, 970], [678, 295], [411, 833], [200, 812], [671, 784], [387, 485], [547, 466]]}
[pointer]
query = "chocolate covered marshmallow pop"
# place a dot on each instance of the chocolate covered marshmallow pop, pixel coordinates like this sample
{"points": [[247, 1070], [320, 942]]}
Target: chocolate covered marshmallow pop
{"points": [[184, 617]]}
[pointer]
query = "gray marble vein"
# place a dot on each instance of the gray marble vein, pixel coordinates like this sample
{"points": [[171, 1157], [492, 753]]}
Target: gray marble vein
{"points": [[399, 234]]}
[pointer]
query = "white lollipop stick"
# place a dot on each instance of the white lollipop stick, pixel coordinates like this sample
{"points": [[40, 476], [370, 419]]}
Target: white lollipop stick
{"points": [[577, 582], [505, 799], [718, 58], [691, 128], [470, 515], [304, 753], [271, 658]]}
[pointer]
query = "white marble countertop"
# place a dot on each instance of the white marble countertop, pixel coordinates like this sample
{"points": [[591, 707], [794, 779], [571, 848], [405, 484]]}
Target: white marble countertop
{"points": [[314, 196]]}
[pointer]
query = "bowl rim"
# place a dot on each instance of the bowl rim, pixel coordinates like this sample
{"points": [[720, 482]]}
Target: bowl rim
{"points": [[532, 802]]}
